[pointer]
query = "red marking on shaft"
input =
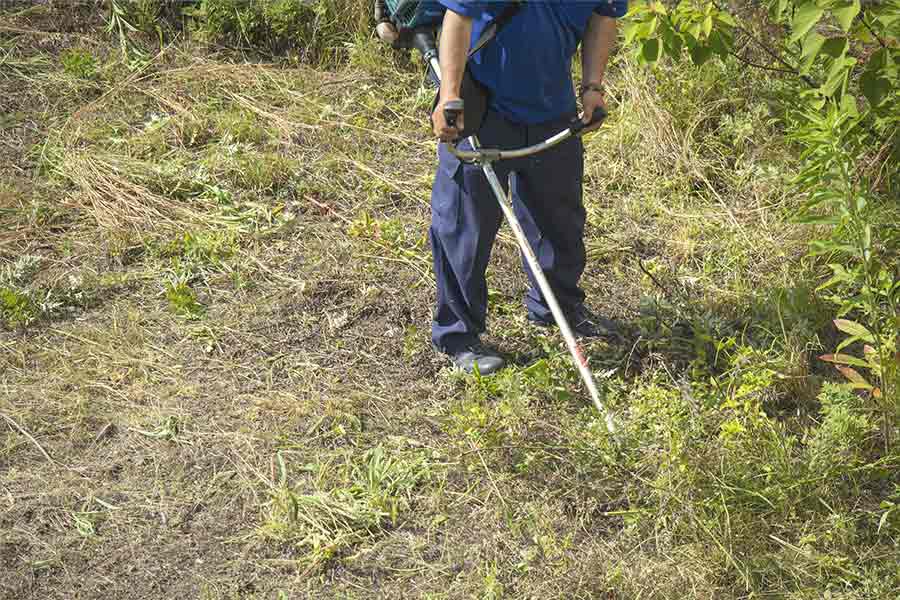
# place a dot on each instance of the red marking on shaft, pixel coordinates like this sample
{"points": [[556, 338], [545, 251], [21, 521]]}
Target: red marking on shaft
{"points": [[580, 356]]}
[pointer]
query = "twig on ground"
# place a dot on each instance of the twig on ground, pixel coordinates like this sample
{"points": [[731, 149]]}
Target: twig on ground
{"points": [[487, 472], [30, 437]]}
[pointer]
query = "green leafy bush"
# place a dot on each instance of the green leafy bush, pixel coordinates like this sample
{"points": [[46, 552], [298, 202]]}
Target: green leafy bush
{"points": [[839, 60], [842, 439]]}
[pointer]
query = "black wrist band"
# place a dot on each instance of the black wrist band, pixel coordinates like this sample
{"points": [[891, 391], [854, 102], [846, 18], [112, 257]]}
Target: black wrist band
{"points": [[592, 87]]}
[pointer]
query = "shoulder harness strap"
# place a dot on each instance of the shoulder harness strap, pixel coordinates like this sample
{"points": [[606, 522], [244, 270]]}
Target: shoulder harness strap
{"points": [[494, 27]]}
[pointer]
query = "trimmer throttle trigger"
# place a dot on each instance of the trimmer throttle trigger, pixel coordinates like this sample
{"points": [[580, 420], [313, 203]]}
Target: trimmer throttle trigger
{"points": [[452, 111]]}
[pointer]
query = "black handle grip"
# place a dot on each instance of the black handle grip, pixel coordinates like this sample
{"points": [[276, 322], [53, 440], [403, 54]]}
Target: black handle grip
{"points": [[452, 111], [599, 116], [423, 41]]}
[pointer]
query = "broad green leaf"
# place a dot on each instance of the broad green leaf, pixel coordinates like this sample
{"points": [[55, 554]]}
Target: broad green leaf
{"points": [[829, 284], [812, 43], [835, 47], [875, 88], [719, 44], [649, 27], [818, 247], [817, 220], [707, 25], [848, 105], [855, 329], [778, 9], [631, 31], [846, 14], [888, 20], [837, 76], [727, 19], [650, 50], [671, 42], [635, 9], [694, 30], [884, 518], [817, 102], [839, 269], [880, 59], [840, 276], [805, 19], [700, 54], [640, 30], [821, 197]]}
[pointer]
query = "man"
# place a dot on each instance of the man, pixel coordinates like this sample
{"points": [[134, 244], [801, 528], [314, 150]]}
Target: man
{"points": [[527, 69]]}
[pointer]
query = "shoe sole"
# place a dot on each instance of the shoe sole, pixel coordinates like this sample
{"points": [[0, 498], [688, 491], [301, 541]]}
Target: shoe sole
{"points": [[459, 369]]}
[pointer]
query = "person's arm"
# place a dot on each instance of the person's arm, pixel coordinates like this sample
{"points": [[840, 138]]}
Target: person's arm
{"points": [[599, 39], [456, 37]]}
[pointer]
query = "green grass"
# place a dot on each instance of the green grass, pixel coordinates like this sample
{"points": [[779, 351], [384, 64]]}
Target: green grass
{"points": [[216, 366]]}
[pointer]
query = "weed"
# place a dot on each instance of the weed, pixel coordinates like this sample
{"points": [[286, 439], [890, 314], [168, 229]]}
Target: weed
{"points": [[19, 305], [389, 234], [182, 299], [122, 192], [326, 523], [493, 589], [865, 279], [262, 172], [167, 430], [237, 125], [393, 238], [18, 309], [79, 63], [193, 253], [843, 441], [21, 271], [84, 524]]}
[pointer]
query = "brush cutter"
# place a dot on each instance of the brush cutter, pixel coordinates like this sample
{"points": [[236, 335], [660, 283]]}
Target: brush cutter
{"points": [[485, 158], [417, 30]]}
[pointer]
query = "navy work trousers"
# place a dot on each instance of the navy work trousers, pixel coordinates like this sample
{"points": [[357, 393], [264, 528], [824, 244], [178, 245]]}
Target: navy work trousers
{"points": [[465, 218]]}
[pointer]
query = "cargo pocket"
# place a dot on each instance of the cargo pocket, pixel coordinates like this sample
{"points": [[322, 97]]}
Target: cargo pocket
{"points": [[447, 192], [536, 240]]}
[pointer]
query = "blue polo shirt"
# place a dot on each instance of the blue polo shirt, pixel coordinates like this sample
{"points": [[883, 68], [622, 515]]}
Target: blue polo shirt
{"points": [[528, 66]]}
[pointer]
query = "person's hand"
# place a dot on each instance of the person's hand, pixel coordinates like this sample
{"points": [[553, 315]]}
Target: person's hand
{"points": [[441, 129], [591, 100], [387, 33]]}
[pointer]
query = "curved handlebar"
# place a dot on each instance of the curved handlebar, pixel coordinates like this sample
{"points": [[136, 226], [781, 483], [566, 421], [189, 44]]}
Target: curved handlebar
{"points": [[576, 128]]}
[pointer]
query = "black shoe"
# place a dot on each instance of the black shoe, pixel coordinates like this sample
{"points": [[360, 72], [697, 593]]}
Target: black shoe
{"points": [[475, 355], [585, 324]]}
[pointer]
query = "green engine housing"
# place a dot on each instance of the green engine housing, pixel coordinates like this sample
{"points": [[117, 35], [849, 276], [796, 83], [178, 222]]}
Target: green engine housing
{"points": [[408, 15]]}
